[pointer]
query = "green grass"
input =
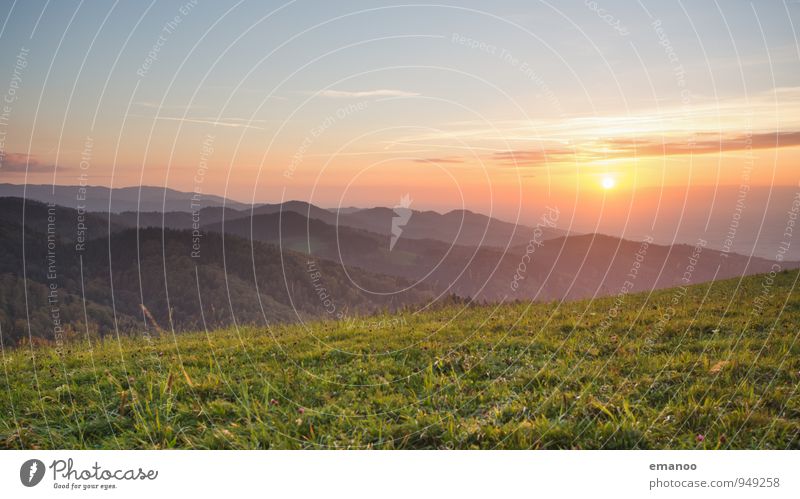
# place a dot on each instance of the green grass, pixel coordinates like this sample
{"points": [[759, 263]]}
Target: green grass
{"points": [[513, 376]]}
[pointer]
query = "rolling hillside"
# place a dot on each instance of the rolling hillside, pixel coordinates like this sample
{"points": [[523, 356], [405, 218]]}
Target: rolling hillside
{"points": [[185, 281], [567, 267], [232, 280], [709, 366]]}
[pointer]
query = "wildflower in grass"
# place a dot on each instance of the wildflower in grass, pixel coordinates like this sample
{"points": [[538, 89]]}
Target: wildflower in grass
{"points": [[301, 410], [273, 402], [701, 437]]}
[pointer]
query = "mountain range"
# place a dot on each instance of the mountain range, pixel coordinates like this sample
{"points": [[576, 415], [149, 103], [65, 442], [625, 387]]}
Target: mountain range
{"points": [[117, 199], [278, 263]]}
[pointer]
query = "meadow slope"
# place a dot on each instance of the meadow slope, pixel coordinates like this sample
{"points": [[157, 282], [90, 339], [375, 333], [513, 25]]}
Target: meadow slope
{"points": [[708, 366]]}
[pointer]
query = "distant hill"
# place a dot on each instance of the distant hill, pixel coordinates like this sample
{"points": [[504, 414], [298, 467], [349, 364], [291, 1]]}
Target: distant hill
{"points": [[461, 270], [461, 227], [263, 268], [118, 199], [699, 211], [182, 285], [748, 219], [569, 267], [66, 221], [596, 265], [178, 220]]}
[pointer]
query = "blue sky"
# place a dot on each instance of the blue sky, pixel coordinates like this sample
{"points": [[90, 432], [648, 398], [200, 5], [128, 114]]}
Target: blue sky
{"points": [[439, 80], [571, 29]]}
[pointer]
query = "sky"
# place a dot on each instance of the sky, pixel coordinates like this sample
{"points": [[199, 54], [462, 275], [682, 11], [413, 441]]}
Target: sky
{"points": [[498, 107]]}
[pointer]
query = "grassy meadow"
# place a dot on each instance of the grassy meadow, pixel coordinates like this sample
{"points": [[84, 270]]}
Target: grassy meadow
{"points": [[708, 366]]}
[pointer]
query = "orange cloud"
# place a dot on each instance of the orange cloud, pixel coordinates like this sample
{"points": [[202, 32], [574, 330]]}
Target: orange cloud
{"points": [[451, 159], [16, 162], [622, 147]]}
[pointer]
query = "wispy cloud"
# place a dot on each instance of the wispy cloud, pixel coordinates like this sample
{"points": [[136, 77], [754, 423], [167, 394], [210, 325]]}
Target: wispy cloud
{"points": [[538, 157], [450, 159], [707, 144], [384, 92], [624, 147], [221, 122], [761, 121], [19, 163], [229, 89], [165, 107]]}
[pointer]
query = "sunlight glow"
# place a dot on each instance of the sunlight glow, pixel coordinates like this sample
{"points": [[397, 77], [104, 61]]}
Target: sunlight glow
{"points": [[608, 182]]}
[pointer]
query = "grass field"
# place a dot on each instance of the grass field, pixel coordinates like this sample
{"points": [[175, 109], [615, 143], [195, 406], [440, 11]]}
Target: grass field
{"points": [[720, 369]]}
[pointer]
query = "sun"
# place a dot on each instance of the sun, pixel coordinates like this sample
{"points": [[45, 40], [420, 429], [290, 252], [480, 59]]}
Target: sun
{"points": [[608, 182]]}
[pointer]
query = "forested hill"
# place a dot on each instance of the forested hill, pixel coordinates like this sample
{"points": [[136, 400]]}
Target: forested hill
{"points": [[185, 280]]}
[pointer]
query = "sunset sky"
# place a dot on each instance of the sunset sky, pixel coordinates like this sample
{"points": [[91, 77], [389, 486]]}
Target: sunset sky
{"points": [[492, 107]]}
